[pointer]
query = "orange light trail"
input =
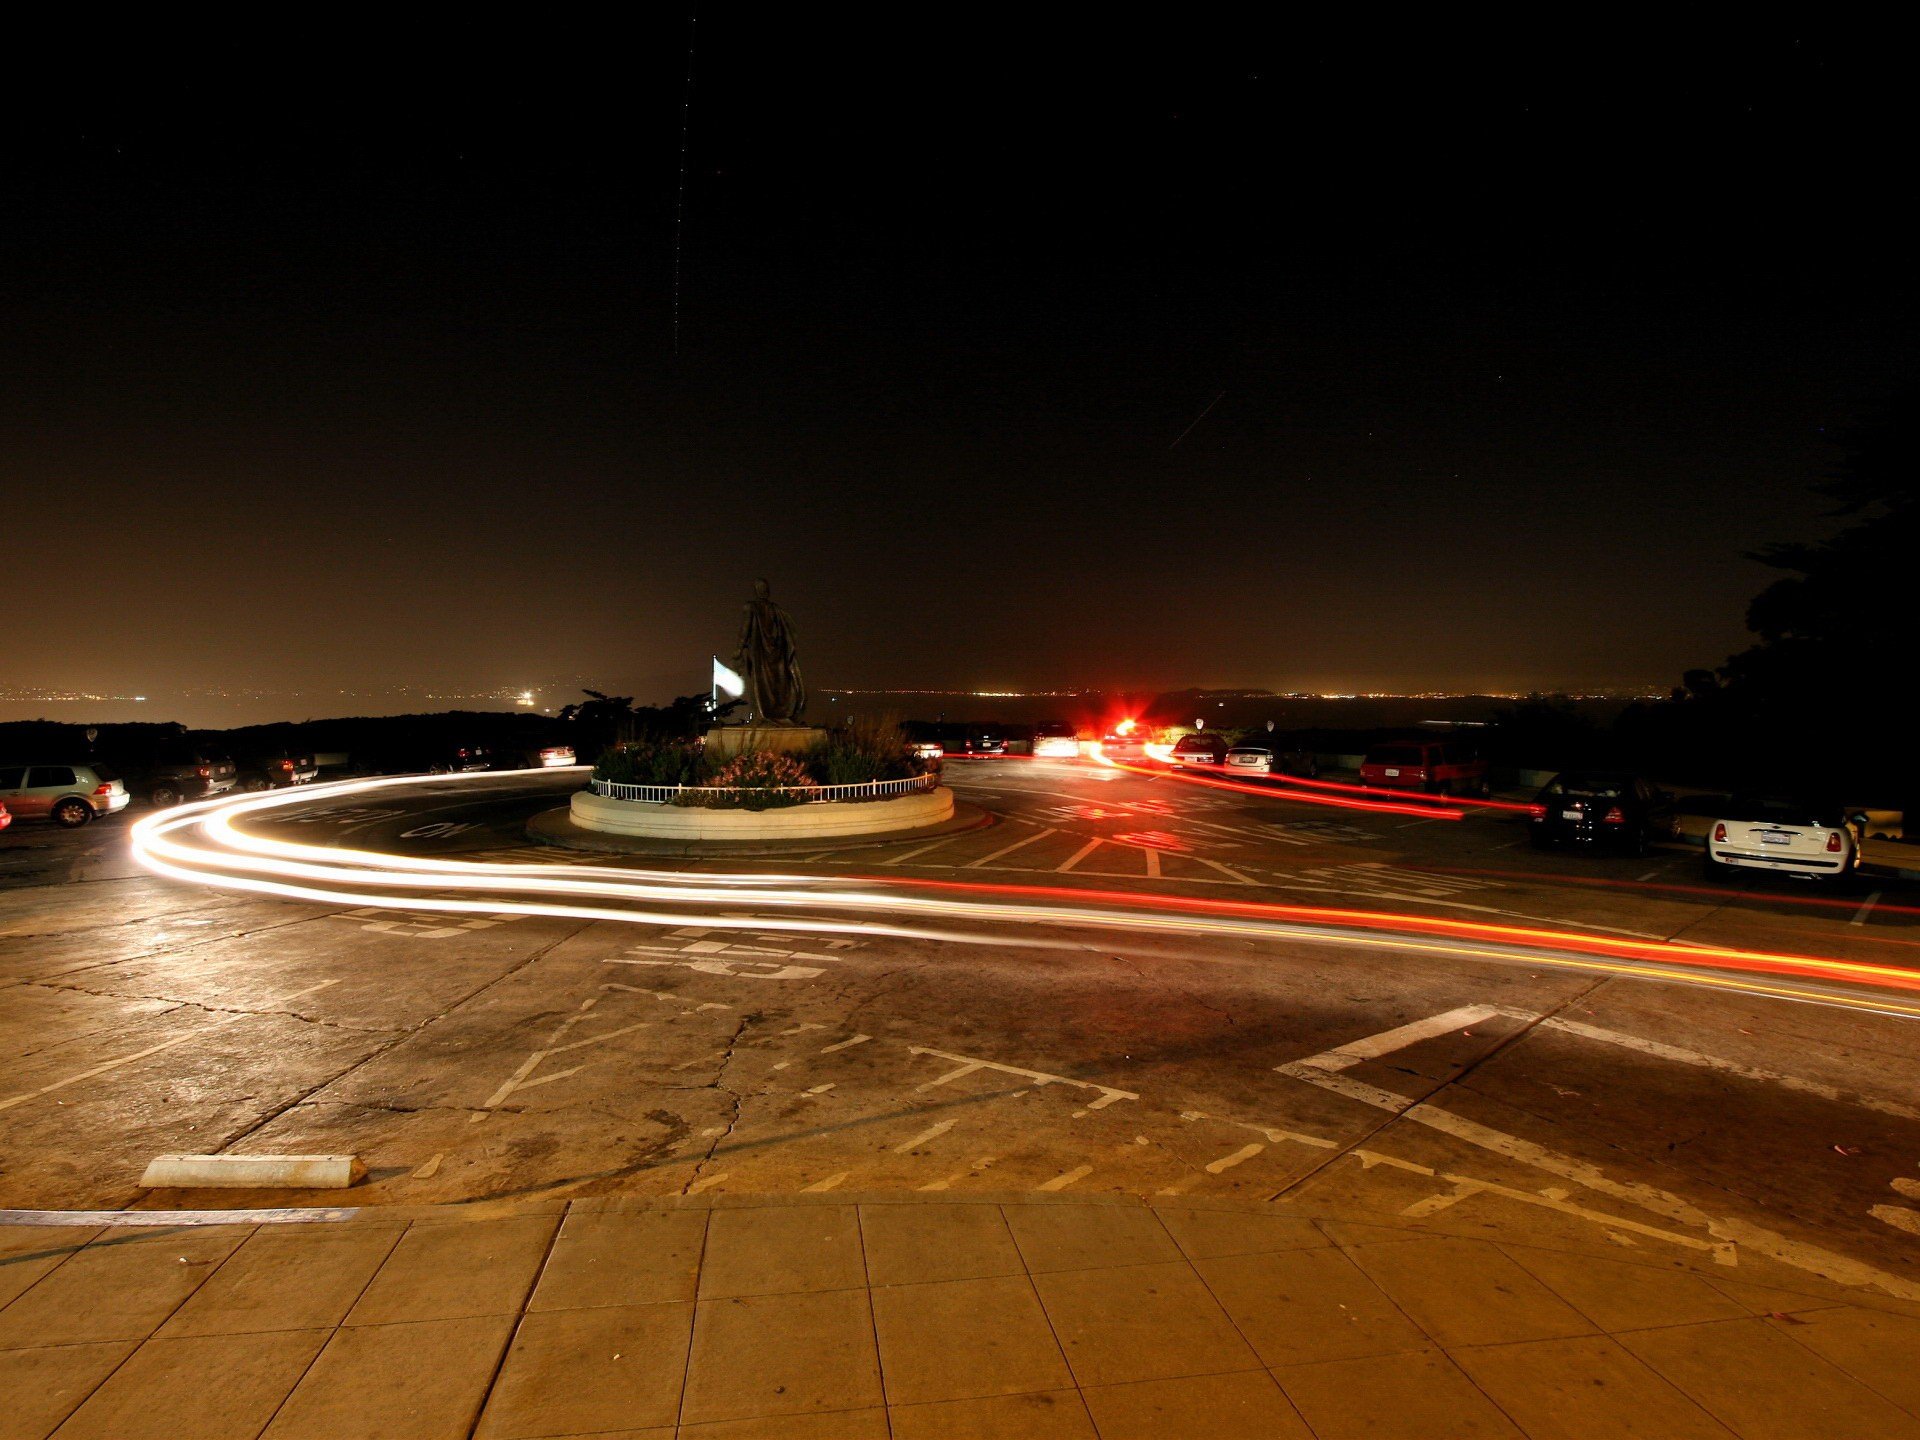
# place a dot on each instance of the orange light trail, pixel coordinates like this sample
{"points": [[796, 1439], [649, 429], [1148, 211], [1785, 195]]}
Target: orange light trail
{"points": [[231, 858]]}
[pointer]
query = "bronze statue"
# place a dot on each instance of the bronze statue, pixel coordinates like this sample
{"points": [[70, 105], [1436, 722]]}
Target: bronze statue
{"points": [[766, 661]]}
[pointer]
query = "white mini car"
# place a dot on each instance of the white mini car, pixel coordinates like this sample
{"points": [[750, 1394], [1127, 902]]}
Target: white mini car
{"points": [[1810, 841]]}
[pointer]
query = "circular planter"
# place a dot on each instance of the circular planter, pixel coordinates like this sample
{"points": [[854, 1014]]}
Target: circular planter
{"points": [[792, 822]]}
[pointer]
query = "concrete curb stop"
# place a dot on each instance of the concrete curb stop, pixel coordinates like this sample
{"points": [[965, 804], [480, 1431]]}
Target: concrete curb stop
{"points": [[253, 1172]]}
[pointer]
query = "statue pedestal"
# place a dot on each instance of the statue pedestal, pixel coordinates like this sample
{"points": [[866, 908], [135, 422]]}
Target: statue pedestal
{"points": [[726, 741]]}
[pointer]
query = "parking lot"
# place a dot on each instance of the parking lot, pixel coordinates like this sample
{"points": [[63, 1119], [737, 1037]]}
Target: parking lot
{"points": [[502, 1056]]}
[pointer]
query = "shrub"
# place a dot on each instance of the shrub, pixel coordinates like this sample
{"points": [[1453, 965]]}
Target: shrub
{"points": [[666, 762], [860, 751], [756, 780]]}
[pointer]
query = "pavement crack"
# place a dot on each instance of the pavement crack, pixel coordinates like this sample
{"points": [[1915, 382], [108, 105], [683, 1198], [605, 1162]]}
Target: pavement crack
{"points": [[736, 1101]]}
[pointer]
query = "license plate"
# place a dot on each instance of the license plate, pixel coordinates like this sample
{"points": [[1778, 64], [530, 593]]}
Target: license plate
{"points": [[1571, 815], [1776, 839], [1392, 772]]}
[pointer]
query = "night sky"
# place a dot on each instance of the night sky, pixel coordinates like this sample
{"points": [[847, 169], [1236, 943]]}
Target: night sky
{"points": [[353, 372]]}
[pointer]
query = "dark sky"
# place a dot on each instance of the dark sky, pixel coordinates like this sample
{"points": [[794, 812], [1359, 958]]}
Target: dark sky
{"points": [[338, 371]]}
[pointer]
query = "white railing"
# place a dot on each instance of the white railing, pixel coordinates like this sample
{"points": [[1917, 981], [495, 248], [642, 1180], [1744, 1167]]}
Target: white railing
{"points": [[807, 794]]}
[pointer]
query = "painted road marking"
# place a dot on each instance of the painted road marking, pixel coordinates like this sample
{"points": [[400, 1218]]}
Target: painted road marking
{"points": [[1728, 1067], [932, 1132], [827, 1184], [1080, 854], [207, 1029], [1228, 871], [1860, 915], [967, 1065], [520, 1079], [705, 1184], [1061, 1182], [902, 859], [1238, 1157], [974, 1169], [1153, 864], [1372, 1047], [845, 1044], [1728, 1231], [1009, 849]]}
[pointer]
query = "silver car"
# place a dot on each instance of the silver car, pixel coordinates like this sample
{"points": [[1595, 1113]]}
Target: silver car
{"points": [[68, 795]]}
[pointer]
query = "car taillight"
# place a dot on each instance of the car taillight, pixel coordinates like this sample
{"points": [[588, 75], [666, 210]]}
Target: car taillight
{"points": [[1833, 842], [1720, 834], [104, 789], [1537, 812], [286, 764], [1615, 816], [205, 772]]}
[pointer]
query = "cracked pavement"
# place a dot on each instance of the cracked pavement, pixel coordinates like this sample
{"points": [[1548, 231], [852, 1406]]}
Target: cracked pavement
{"points": [[536, 1058]]}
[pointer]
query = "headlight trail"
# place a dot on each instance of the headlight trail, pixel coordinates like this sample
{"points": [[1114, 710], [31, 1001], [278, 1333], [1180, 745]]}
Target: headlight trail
{"points": [[201, 844]]}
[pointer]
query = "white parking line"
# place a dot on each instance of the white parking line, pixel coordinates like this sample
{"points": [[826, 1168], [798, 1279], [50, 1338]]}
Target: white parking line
{"points": [[1080, 854], [902, 859], [1728, 1230], [1227, 871], [204, 1030], [1860, 915], [1153, 864], [1009, 849], [932, 1132], [1372, 1047], [1238, 1157], [1061, 1182]]}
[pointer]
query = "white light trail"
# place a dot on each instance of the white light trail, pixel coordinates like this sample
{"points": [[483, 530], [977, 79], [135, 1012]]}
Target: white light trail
{"points": [[200, 843]]}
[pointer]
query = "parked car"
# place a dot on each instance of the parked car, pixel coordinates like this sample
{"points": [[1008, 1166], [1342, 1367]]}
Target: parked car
{"points": [[431, 757], [68, 795], [1270, 754], [275, 770], [1600, 810], [1205, 747], [180, 770], [975, 740], [922, 740], [1126, 741], [1789, 837], [1055, 740], [1439, 767]]}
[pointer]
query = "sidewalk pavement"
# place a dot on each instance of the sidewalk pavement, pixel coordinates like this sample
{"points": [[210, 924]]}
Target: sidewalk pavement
{"points": [[821, 1318]]}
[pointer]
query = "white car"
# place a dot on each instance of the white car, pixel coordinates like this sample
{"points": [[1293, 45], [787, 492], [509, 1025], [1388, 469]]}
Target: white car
{"points": [[1811, 841], [1055, 740]]}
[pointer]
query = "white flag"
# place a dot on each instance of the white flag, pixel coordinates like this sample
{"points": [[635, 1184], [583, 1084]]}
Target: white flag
{"points": [[725, 682]]}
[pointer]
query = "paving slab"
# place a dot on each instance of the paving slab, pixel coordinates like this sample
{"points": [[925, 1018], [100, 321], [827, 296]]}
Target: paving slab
{"points": [[1211, 1234], [768, 1251], [1416, 1395], [122, 1287], [283, 1278], [1245, 1403], [1140, 1322], [418, 1380], [964, 1339], [43, 1386], [1304, 1305], [1047, 1415], [622, 1259], [1082, 1237], [766, 1355], [1584, 1388], [1764, 1386], [212, 1387], [909, 1244], [1619, 1296], [1467, 1292], [451, 1272], [606, 1367]]}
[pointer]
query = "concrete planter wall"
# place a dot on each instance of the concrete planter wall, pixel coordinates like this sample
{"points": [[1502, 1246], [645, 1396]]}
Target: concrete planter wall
{"points": [[794, 822]]}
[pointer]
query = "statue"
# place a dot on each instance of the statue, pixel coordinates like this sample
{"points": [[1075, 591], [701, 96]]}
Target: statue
{"points": [[767, 662]]}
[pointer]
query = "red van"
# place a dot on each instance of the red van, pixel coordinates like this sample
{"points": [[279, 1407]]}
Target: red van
{"points": [[1439, 767]]}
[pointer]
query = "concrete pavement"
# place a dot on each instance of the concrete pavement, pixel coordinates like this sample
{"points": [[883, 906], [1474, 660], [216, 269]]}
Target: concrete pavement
{"points": [[922, 1318]]}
